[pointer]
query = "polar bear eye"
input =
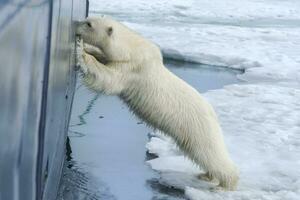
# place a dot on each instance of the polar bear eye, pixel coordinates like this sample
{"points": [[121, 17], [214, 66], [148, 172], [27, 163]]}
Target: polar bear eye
{"points": [[89, 24], [109, 30]]}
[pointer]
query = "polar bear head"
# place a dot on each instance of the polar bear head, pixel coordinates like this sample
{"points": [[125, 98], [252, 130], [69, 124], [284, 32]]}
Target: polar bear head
{"points": [[119, 43]]}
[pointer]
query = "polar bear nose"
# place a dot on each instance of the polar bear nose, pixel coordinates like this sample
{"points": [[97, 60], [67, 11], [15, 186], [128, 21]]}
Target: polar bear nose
{"points": [[76, 26]]}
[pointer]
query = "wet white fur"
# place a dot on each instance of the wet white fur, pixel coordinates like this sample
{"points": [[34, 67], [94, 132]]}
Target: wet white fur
{"points": [[135, 72]]}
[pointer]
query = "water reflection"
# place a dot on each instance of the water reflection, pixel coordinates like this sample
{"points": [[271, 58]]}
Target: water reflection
{"points": [[76, 184]]}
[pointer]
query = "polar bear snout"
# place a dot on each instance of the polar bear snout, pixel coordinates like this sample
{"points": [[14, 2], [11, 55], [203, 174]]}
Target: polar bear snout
{"points": [[78, 28], [85, 31], [76, 25], [82, 27]]}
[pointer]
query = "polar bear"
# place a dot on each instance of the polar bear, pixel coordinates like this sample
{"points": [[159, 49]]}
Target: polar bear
{"points": [[115, 60]]}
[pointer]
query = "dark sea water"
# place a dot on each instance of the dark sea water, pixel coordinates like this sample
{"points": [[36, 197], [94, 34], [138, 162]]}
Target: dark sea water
{"points": [[106, 151]]}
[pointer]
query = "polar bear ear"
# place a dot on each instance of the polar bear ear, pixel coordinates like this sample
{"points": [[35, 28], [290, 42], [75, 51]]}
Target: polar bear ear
{"points": [[109, 31]]}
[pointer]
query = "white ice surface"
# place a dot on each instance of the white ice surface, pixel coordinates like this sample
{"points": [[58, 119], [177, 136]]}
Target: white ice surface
{"points": [[260, 117]]}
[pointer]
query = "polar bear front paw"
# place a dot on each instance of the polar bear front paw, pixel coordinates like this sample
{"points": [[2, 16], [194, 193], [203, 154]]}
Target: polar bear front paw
{"points": [[95, 52], [80, 64]]}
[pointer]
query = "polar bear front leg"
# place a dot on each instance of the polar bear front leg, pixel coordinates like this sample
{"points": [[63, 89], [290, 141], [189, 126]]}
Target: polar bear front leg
{"points": [[101, 78], [80, 64]]}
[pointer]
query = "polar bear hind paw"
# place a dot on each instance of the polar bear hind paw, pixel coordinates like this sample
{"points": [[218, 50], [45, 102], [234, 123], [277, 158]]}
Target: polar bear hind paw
{"points": [[205, 177]]}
